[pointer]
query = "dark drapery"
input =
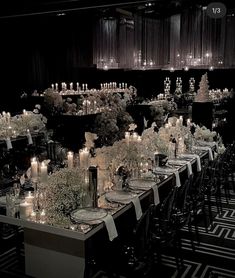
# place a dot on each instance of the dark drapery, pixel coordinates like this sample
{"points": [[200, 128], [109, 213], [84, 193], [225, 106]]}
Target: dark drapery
{"points": [[190, 39]]}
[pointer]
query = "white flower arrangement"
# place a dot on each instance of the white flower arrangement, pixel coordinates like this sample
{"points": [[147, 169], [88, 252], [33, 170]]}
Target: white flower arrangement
{"points": [[29, 121], [205, 134], [64, 192], [90, 140], [21, 124]]}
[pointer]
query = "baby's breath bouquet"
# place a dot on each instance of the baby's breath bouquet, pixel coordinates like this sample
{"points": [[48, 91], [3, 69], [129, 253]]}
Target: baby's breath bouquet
{"points": [[64, 192], [205, 134]]}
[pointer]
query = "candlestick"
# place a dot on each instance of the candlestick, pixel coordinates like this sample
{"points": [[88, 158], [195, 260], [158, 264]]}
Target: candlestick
{"points": [[56, 86], [34, 169], [43, 172], [52, 86], [70, 160], [84, 156]]}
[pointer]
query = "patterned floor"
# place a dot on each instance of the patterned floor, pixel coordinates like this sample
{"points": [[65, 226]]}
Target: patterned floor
{"points": [[214, 255]]}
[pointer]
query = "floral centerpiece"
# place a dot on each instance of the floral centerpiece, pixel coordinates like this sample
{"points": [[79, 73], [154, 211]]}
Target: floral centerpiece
{"points": [[64, 192], [205, 134], [21, 124]]}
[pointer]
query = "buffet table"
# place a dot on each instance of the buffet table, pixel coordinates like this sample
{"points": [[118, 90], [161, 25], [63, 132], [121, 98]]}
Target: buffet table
{"points": [[53, 251]]}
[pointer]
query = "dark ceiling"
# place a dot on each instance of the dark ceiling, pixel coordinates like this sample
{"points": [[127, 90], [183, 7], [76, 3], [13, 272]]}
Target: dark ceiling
{"points": [[22, 8]]}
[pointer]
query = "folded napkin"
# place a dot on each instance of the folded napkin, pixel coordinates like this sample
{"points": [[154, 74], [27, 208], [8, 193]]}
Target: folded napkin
{"points": [[138, 209], [8, 143], [199, 167], [177, 178], [206, 149], [156, 195], [110, 226], [169, 171], [189, 168]]}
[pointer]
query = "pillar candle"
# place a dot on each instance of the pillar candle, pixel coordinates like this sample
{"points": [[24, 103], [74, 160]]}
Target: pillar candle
{"points": [[70, 160], [127, 137], [134, 137], [84, 155], [25, 209], [34, 169], [181, 120], [43, 172]]}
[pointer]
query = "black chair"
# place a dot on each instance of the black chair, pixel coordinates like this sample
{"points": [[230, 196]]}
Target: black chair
{"points": [[132, 255], [165, 230]]}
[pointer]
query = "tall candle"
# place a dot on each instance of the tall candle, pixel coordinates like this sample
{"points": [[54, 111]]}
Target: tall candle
{"points": [[70, 160], [71, 86], [30, 141], [181, 120], [43, 172], [134, 137], [84, 155], [127, 137], [188, 122], [177, 122], [56, 86], [34, 169]]}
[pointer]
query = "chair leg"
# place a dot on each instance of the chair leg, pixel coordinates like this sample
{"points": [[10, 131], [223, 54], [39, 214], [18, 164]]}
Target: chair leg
{"points": [[190, 233]]}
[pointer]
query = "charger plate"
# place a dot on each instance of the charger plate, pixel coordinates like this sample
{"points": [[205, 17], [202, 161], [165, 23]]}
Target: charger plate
{"points": [[119, 196], [143, 184], [88, 215]]}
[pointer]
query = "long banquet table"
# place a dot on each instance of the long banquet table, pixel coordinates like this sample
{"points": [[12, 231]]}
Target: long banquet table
{"points": [[53, 251]]}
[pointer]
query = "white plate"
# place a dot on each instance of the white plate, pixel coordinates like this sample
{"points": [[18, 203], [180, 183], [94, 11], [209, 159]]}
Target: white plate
{"points": [[88, 214], [143, 184], [120, 196]]}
